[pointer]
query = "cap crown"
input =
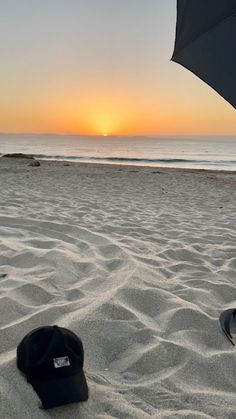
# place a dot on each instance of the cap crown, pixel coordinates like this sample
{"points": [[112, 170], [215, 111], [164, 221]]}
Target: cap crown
{"points": [[50, 351]]}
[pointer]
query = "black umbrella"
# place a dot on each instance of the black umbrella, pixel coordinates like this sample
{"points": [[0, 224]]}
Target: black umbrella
{"points": [[226, 318], [206, 43]]}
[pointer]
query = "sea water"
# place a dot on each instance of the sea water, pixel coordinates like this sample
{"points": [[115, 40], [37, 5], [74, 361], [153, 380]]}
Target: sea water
{"points": [[208, 152]]}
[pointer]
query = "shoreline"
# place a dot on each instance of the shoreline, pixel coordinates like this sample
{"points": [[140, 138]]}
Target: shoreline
{"points": [[112, 166]]}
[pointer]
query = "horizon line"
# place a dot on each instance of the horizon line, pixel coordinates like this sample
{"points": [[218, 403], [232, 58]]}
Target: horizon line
{"points": [[114, 135]]}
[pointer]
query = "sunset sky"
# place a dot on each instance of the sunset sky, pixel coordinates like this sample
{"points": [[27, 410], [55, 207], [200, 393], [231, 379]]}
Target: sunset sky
{"points": [[99, 67]]}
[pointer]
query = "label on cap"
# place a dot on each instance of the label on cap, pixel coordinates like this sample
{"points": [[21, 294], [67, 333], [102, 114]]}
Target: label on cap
{"points": [[61, 362]]}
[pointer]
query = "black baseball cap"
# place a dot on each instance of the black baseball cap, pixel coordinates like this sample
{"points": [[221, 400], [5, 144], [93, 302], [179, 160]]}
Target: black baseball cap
{"points": [[52, 359]]}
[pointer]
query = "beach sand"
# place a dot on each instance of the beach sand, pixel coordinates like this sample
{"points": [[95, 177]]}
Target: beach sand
{"points": [[139, 262]]}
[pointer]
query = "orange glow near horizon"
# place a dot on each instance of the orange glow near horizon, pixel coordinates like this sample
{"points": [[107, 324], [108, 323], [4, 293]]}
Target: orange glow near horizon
{"points": [[103, 120], [128, 114]]}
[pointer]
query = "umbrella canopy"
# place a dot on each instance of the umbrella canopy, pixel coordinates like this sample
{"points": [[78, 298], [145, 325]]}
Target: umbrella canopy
{"points": [[206, 43]]}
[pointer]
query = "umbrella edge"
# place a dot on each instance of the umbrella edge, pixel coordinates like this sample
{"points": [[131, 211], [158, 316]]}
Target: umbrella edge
{"points": [[175, 59]]}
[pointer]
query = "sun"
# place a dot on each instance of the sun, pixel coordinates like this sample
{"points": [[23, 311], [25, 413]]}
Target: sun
{"points": [[105, 134]]}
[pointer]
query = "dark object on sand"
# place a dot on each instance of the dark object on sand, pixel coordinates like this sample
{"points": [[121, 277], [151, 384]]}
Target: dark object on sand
{"points": [[205, 43], [226, 318], [34, 163], [52, 359], [18, 156]]}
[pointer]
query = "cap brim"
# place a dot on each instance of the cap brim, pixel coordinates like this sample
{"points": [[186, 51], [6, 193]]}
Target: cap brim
{"points": [[55, 392]]}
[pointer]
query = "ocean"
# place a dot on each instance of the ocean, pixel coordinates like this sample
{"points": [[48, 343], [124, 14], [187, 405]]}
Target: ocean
{"points": [[208, 152]]}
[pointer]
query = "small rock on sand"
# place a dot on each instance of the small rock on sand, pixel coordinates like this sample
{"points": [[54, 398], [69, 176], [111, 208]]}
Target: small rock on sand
{"points": [[34, 163]]}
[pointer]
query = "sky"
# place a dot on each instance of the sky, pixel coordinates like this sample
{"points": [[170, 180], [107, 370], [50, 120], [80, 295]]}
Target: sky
{"points": [[97, 67]]}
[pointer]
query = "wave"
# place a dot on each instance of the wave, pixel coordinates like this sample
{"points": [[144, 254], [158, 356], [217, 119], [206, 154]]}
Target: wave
{"points": [[173, 162], [131, 159]]}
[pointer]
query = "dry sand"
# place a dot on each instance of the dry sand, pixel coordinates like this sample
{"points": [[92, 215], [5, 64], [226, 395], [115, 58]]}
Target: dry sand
{"points": [[139, 262]]}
